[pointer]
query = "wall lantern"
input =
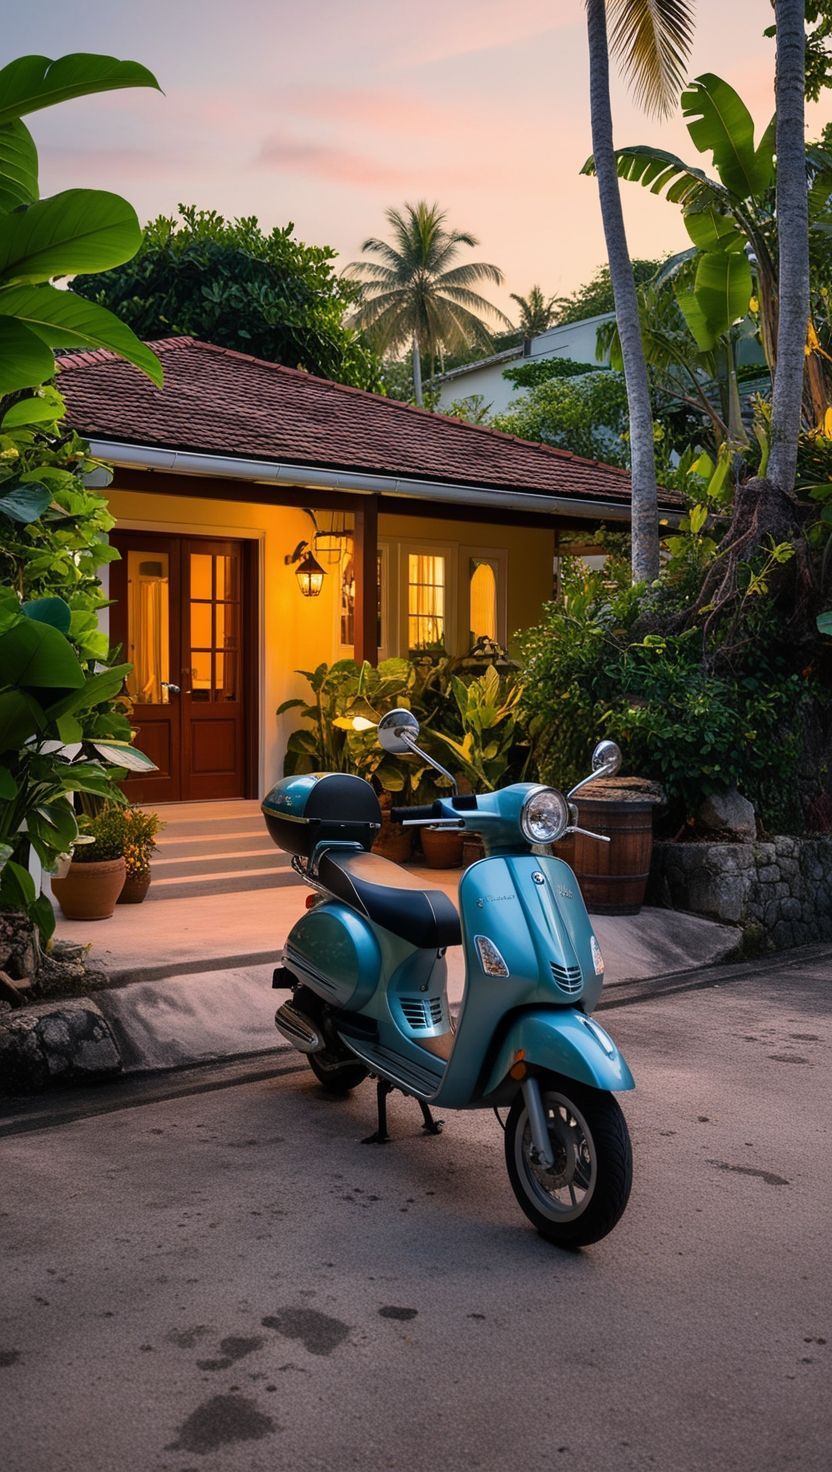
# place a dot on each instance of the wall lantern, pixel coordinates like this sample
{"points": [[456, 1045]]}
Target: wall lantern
{"points": [[309, 573], [331, 541]]}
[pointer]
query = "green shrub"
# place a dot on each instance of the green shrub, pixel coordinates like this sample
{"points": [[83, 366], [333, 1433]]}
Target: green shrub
{"points": [[591, 671], [587, 415], [534, 371], [104, 835]]}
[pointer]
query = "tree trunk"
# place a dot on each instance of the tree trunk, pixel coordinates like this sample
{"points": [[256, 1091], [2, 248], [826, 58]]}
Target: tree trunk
{"points": [[417, 374], [793, 243], [645, 515]]}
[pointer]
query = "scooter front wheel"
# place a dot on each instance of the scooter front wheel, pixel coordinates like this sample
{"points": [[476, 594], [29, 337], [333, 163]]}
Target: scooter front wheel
{"points": [[578, 1199]]}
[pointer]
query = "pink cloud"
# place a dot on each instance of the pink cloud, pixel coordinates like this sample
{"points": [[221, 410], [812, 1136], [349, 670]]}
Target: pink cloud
{"points": [[342, 166], [404, 112]]}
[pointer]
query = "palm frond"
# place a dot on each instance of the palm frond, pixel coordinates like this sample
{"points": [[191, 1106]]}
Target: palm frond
{"points": [[652, 39], [370, 310], [447, 247], [385, 251], [370, 272], [462, 296], [387, 325], [469, 273]]}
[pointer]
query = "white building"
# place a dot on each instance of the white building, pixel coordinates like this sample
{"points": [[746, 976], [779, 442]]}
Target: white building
{"points": [[576, 340]]}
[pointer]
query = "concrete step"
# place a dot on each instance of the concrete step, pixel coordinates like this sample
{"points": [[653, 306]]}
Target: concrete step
{"points": [[174, 812], [241, 881], [219, 863], [208, 824], [204, 845]]}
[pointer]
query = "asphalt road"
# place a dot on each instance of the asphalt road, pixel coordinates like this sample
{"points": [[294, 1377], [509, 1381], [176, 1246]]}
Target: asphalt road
{"points": [[229, 1280]]}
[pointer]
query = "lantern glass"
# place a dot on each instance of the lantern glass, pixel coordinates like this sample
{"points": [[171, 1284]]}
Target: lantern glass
{"points": [[310, 576]]}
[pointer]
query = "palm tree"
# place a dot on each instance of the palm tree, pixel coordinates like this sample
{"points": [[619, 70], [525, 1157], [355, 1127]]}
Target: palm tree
{"points": [[652, 38], [537, 312], [413, 293], [793, 242]]}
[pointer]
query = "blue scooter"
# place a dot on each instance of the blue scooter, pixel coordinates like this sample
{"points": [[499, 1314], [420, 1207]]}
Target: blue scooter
{"points": [[366, 967]]}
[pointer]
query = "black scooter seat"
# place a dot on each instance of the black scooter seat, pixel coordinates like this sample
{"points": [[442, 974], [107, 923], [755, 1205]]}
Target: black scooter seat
{"points": [[391, 897]]}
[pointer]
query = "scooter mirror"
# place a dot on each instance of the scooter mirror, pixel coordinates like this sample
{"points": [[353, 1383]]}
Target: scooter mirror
{"points": [[607, 758], [397, 731]]}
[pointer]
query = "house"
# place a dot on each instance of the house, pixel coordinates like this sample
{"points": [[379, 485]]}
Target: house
{"points": [[268, 520], [575, 340]]}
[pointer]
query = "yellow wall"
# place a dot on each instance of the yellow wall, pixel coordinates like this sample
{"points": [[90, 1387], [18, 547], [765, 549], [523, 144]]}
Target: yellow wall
{"points": [[297, 632], [530, 552]]}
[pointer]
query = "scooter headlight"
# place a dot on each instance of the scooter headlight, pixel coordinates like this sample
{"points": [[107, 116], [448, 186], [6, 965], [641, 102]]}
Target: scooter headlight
{"points": [[544, 816]]}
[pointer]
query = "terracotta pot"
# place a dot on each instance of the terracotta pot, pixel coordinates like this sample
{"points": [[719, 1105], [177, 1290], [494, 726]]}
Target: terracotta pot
{"points": [[442, 847], [473, 848], [135, 889], [393, 842], [90, 891]]}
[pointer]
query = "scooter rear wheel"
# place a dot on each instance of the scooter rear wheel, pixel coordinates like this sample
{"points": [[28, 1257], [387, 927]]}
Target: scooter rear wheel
{"points": [[579, 1199], [335, 1067], [337, 1075]]}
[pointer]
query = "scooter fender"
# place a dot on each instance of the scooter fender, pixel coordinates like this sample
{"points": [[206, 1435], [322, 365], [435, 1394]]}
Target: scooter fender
{"points": [[562, 1040]]}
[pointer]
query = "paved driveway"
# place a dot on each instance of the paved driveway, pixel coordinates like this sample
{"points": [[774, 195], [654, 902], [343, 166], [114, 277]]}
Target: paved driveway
{"points": [[229, 1280]]}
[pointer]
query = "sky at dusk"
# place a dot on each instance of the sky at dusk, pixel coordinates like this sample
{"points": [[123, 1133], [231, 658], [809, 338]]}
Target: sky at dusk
{"points": [[324, 112]]}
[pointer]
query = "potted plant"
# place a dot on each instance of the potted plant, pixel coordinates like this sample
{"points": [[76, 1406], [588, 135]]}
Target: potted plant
{"points": [[487, 712], [96, 875], [442, 847], [140, 829]]}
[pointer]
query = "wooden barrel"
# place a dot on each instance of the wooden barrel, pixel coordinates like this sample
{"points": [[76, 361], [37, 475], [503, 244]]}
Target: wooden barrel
{"points": [[613, 876]]}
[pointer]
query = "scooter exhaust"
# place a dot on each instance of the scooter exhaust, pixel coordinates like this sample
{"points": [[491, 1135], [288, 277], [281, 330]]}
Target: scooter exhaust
{"points": [[299, 1029]]}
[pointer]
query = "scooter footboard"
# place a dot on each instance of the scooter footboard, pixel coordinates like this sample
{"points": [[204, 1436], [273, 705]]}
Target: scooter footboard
{"points": [[561, 1040]]}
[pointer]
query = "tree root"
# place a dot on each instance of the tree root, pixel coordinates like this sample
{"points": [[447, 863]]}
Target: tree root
{"points": [[763, 517]]}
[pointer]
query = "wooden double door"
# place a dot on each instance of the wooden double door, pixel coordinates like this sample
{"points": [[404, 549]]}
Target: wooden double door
{"points": [[183, 611]]}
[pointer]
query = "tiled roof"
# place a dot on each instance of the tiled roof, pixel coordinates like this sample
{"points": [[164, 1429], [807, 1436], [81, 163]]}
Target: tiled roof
{"points": [[216, 401]]}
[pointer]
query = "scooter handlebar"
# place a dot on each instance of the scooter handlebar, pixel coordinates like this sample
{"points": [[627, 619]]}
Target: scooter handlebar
{"points": [[422, 813]]}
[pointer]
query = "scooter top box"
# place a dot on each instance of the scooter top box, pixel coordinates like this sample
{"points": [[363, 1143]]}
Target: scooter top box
{"points": [[316, 807]]}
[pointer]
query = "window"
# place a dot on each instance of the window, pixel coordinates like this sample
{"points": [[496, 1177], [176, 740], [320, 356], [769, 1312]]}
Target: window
{"points": [[482, 600], [486, 591], [425, 600]]}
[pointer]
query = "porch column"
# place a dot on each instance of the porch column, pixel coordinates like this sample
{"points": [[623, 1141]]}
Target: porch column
{"points": [[365, 559]]}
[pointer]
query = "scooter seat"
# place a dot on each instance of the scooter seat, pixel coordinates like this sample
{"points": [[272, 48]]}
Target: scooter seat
{"points": [[394, 899]]}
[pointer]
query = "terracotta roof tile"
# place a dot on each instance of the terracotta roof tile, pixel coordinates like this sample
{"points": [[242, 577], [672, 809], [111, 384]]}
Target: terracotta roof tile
{"points": [[217, 401]]}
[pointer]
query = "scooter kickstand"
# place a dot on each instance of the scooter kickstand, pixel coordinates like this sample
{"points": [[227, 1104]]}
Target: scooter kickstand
{"points": [[431, 1126], [380, 1137]]}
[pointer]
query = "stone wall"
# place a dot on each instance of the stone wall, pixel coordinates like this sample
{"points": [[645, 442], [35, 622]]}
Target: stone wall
{"points": [[779, 892]]}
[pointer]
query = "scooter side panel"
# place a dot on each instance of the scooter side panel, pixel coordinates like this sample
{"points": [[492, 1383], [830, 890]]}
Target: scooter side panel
{"points": [[335, 952], [562, 1041]]}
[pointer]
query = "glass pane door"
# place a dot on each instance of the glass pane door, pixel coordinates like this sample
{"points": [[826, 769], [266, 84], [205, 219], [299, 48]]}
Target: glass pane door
{"points": [[148, 627], [214, 640]]}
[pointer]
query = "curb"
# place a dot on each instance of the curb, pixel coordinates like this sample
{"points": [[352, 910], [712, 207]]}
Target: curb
{"points": [[71, 1041]]}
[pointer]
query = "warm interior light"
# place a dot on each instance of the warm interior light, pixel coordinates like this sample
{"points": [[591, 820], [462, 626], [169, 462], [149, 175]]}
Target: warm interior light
{"points": [[310, 576]]}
